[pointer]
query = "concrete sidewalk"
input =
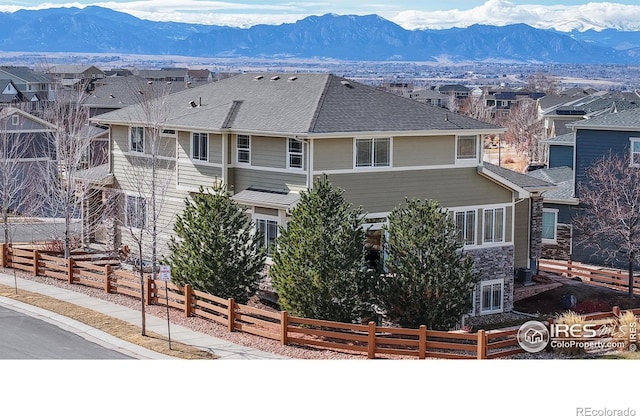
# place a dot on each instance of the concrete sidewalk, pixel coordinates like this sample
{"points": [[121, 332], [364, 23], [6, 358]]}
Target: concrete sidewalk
{"points": [[219, 347]]}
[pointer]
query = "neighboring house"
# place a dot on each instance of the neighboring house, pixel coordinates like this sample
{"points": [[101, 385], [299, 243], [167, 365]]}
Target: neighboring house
{"points": [[592, 139], [10, 96], [34, 160], [199, 75], [460, 92], [428, 96], [164, 74], [269, 136], [36, 87], [71, 76]]}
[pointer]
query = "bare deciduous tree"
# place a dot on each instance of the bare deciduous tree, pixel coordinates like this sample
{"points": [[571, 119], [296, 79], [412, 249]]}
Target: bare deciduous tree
{"points": [[608, 220], [525, 129]]}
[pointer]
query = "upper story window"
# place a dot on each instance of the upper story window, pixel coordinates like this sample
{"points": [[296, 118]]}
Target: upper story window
{"points": [[466, 148], [375, 152], [466, 225], [136, 139], [494, 225], [15, 120], [243, 144], [295, 149], [199, 146], [635, 151]]}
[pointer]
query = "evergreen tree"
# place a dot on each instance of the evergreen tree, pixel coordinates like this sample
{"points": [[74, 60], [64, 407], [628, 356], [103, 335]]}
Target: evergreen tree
{"points": [[217, 250], [429, 279], [318, 266]]}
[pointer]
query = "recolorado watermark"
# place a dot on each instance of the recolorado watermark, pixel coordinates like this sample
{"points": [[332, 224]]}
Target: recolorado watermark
{"points": [[535, 336], [605, 411]]}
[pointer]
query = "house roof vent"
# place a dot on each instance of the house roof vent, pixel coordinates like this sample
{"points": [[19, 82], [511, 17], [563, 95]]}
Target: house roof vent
{"points": [[275, 78], [293, 78], [346, 83], [258, 77]]}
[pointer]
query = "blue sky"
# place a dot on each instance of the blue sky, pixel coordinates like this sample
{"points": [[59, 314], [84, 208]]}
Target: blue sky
{"points": [[411, 14]]}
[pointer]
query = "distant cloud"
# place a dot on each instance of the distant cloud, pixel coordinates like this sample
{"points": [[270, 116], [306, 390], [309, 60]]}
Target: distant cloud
{"points": [[493, 12]]}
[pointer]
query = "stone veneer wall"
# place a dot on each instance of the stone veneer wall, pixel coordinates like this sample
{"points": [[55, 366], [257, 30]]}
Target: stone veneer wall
{"points": [[495, 263], [536, 228], [561, 250]]}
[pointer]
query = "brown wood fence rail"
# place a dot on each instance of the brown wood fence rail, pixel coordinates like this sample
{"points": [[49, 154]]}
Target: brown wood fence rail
{"points": [[372, 340], [594, 275]]}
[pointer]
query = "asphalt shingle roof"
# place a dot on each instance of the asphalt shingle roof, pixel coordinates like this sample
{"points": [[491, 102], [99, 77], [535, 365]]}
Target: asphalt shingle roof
{"points": [[621, 119], [520, 179], [563, 139], [299, 103], [562, 176]]}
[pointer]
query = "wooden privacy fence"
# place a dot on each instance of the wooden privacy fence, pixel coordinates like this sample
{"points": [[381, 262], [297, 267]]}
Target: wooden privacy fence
{"points": [[371, 340], [594, 275]]}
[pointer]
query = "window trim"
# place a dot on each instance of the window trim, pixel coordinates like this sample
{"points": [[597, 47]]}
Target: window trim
{"points": [[468, 160], [126, 211], [193, 146], [633, 140], [239, 149], [131, 147], [484, 225], [553, 211], [290, 153], [372, 159], [491, 283], [276, 220], [475, 226], [15, 120]]}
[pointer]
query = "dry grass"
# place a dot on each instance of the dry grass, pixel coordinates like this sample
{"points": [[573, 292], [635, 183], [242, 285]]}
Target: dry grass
{"points": [[110, 325]]}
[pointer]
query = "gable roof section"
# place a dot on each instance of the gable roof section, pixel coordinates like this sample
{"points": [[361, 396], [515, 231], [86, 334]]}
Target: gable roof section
{"points": [[321, 104], [623, 120], [563, 177], [26, 74], [561, 140]]}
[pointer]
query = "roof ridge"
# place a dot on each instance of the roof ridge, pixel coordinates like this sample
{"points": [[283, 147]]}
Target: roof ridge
{"points": [[323, 96]]}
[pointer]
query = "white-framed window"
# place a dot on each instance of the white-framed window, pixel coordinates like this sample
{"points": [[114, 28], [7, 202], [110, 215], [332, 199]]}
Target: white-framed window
{"points": [[268, 231], [635, 151], [549, 225], [466, 225], [243, 144], [135, 211], [467, 148], [493, 226], [295, 153], [373, 152], [136, 139], [15, 120], [169, 133], [491, 292], [200, 146]]}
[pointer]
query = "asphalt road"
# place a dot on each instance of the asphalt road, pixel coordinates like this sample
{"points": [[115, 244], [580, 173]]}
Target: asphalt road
{"points": [[25, 337]]}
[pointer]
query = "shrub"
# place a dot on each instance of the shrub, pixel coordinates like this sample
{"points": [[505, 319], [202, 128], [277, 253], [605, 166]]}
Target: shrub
{"points": [[626, 325], [572, 318]]}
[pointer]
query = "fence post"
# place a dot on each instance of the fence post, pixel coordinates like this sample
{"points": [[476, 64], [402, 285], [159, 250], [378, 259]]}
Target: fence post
{"points": [[3, 255], [284, 327], [231, 314], [569, 268], [70, 270], [187, 300], [616, 311], [371, 351], [107, 278], [482, 345], [422, 342], [149, 287], [36, 257]]}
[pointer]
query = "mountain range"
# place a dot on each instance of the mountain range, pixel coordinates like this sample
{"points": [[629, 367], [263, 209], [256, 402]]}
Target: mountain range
{"points": [[345, 37]]}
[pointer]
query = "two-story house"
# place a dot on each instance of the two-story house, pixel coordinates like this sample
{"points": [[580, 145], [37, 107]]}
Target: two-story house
{"points": [[35, 87], [269, 136]]}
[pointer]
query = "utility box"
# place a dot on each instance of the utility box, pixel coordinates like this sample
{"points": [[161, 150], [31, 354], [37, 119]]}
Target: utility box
{"points": [[525, 276]]}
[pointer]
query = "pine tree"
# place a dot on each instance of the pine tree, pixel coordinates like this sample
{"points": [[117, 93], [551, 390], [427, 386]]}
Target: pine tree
{"points": [[317, 270], [429, 279], [217, 250]]}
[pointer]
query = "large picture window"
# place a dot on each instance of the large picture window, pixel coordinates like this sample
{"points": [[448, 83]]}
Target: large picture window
{"points": [[136, 211], [373, 152], [294, 154], [466, 226], [136, 139], [494, 225], [243, 144], [199, 146]]}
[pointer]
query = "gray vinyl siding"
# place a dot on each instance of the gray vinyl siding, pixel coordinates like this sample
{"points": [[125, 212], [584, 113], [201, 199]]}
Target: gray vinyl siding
{"points": [[120, 140], [243, 178], [521, 234], [382, 191], [214, 147], [269, 152], [195, 175], [423, 151], [332, 154], [560, 156], [592, 145]]}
